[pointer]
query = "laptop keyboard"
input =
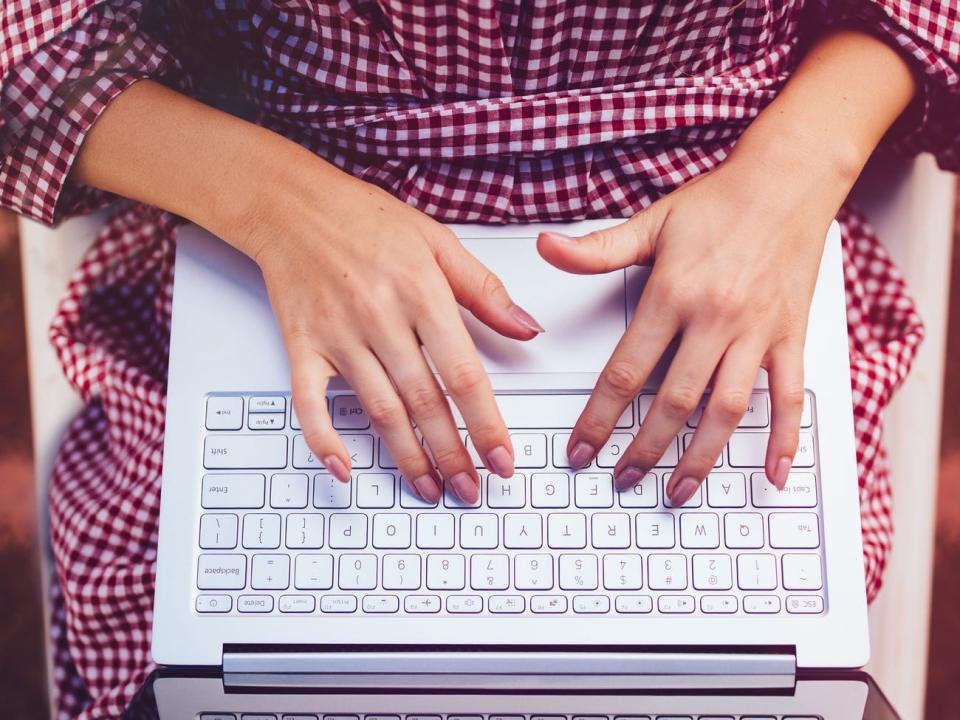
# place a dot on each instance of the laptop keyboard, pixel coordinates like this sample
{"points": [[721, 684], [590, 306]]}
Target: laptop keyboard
{"points": [[279, 535]]}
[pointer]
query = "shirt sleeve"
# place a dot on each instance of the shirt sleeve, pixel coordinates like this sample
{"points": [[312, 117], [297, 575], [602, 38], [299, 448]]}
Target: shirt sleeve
{"points": [[927, 35], [61, 64]]}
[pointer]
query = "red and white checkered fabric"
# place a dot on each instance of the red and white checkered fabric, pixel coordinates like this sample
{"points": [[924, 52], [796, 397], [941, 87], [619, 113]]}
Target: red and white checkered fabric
{"points": [[470, 111]]}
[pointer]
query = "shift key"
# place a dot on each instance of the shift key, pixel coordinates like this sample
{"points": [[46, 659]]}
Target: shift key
{"points": [[237, 452]]}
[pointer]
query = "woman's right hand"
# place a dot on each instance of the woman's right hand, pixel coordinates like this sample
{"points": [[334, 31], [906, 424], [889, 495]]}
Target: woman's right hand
{"points": [[359, 281]]}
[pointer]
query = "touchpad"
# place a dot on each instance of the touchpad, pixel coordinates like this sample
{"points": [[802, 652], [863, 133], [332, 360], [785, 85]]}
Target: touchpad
{"points": [[584, 315]]}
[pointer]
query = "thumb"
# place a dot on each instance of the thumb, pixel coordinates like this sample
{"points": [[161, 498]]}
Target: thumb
{"points": [[629, 243], [481, 292]]}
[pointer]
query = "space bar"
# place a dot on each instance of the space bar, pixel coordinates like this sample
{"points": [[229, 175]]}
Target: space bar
{"points": [[544, 411]]}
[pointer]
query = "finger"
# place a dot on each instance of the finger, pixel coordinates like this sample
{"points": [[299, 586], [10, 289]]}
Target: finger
{"points": [[785, 373], [629, 243], [622, 378], [732, 388], [310, 373], [452, 351], [678, 396], [389, 416], [426, 404], [481, 292]]}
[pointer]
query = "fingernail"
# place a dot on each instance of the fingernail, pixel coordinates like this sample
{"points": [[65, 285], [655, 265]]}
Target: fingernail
{"points": [[561, 237], [628, 477], [500, 461], [581, 455], [465, 487], [683, 491], [335, 465], [782, 472], [427, 488], [525, 319]]}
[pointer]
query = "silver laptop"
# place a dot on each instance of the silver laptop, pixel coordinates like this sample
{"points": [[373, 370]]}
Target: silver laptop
{"points": [[267, 565]]}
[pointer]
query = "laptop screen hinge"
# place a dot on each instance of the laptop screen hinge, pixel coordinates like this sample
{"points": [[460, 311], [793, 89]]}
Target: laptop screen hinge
{"points": [[511, 669]]}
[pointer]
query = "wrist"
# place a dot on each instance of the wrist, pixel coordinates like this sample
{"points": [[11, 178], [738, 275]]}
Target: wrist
{"points": [[271, 183], [792, 167]]}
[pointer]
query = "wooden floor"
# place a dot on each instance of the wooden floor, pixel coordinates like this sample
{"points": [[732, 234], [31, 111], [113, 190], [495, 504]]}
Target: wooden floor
{"points": [[22, 681]]}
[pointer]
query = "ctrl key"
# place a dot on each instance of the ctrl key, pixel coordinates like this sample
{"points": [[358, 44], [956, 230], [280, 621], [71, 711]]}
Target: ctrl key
{"points": [[214, 603]]}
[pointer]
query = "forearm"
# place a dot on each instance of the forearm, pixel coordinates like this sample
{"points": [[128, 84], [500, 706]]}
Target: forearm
{"points": [[830, 116], [162, 148]]}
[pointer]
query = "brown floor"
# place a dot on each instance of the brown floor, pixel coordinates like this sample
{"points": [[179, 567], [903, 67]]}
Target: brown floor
{"points": [[22, 681]]}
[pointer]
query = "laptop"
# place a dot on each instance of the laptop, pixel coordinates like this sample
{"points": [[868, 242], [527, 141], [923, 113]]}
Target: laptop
{"points": [[172, 695], [267, 565]]}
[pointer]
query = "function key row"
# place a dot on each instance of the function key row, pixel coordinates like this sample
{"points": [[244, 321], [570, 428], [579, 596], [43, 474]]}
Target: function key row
{"points": [[509, 604]]}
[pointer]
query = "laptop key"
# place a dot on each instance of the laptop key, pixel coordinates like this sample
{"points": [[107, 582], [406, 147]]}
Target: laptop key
{"points": [[548, 604], [357, 572], [529, 450], [508, 492], [304, 531], [338, 604], [634, 604], [224, 412], [676, 604], [313, 572], [718, 604], [421, 604], [297, 603], [270, 572], [380, 604], [591, 604], [218, 531], [762, 604], [248, 452], [593, 490], [328, 492], [214, 603], [533, 572], [288, 490], [446, 572], [506, 604], [401, 572], [804, 604], [232, 491], [464, 604], [255, 603], [794, 530], [566, 530], [800, 491], [578, 572], [550, 490]]}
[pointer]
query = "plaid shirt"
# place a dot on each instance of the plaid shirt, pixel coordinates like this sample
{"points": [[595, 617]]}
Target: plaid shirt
{"points": [[470, 111]]}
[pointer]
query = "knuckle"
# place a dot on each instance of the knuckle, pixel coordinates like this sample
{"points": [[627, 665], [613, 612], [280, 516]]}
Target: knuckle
{"points": [[680, 400], [450, 456], [491, 286], [645, 455], [698, 461], [623, 378], [317, 439], [412, 463], [384, 412], [791, 396], [424, 400], [592, 427], [729, 407], [488, 433], [464, 378]]}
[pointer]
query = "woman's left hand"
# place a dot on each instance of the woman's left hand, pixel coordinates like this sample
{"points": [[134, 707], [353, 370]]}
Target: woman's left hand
{"points": [[735, 257]]}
